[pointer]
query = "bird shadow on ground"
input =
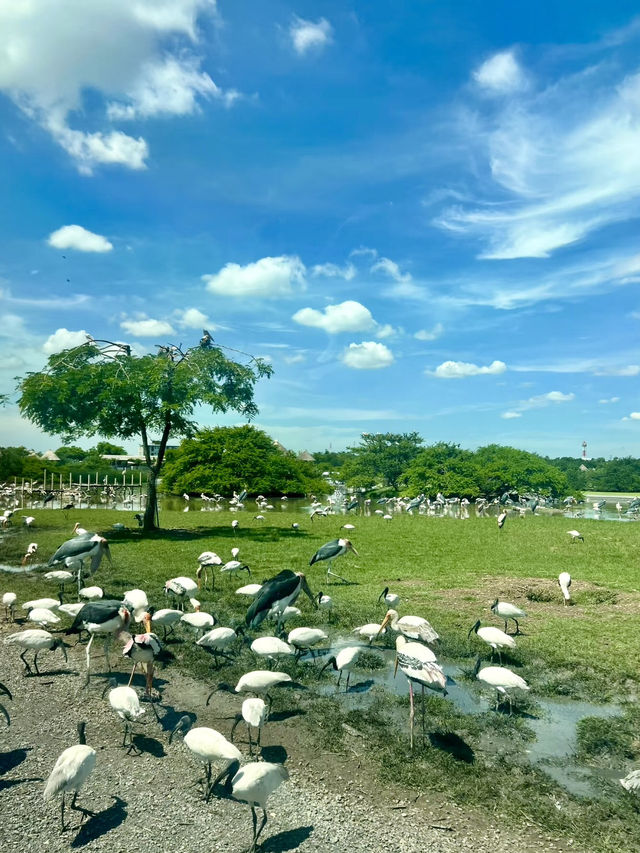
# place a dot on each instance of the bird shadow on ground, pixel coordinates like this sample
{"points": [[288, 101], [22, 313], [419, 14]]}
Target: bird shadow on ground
{"points": [[274, 754], [9, 760], [281, 716], [49, 673], [101, 823], [150, 745], [290, 839], [182, 534], [171, 716], [11, 783], [361, 686], [452, 744]]}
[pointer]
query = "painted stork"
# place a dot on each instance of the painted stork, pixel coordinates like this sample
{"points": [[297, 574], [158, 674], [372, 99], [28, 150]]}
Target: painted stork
{"points": [[71, 771], [205, 560], [413, 627], [419, 670], [276, 594], [493, 637], [345, 660], [30, 553], [253, 784], [330, 551], [106, 618], [36, 640], [143, 649], [208, 746], [564, 582], [508, 611], [179, 587]]}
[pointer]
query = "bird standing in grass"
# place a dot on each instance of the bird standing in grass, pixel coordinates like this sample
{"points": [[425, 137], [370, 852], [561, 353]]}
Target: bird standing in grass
{"points": [[330, 551], [71, 771], [276, 594], [575, 536], [9, 602], [493, 637], [502, 518], [508, 611], [388, 598], [413, 627], [564, 582], [253, 784], [413, 662]]}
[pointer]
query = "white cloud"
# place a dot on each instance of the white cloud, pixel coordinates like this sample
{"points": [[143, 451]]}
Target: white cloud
{"points": [[147, 327], [391, 269], [294, 359], [461, 369], [64, 339], [190, 318], [635, 416], [347, 316], [510, 415], [268, 278], [500, 74], [539, 401], [386, 331], [608, 400], [564, 162], [368, 355], [553, 397], [347, 272], [429, 334], [77, 237], [309, 35], [629, 370], [138, 56]]}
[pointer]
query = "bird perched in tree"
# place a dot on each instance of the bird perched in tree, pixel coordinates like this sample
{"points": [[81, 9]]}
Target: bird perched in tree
{"points": [[330, 551], [276, 594], [564, 582], [493, 637], [206, 341], [36, 640], [253, 784], [508, 611], [70, 772]]}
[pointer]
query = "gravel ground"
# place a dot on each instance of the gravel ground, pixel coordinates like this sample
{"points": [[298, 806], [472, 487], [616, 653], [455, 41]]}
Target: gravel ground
{"points": [[331, 801]]}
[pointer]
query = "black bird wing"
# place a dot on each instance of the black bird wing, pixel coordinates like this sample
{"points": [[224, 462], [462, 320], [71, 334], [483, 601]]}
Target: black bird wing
{"points": [[273, 590], [327, 552], [95, 611], [76, 547]]}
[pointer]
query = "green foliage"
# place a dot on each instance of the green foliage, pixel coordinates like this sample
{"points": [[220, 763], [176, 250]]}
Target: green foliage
{"points": [[228, 459], [330, 460], [444, 468], [508, 469], [381, 458], [71, 454], [106, 448]]}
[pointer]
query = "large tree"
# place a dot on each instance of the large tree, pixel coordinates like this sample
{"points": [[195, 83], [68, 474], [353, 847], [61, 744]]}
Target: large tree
{"points": [[103, 388], [381, 458]]}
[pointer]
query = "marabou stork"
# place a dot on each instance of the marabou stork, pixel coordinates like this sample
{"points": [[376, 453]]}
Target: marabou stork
{"points": [[253, 784], [71, 771], [74, 552], [107, 618], [331, 550], [208, 746], [508, 611], [36, 640], [275, 594]]}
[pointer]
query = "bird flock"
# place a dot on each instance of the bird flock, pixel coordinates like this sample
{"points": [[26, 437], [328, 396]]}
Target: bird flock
{"points": [[273, 602]]}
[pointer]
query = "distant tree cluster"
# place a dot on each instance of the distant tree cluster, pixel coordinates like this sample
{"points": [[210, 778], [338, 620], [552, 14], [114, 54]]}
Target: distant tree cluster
{"points": [[227, 459], [21, 462], [620, 474]]}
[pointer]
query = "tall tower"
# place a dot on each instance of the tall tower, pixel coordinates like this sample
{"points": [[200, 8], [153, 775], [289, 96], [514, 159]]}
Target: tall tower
{"points": [[584, 451]]}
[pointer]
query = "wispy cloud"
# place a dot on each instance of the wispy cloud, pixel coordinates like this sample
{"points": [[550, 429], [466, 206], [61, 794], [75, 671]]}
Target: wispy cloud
{"points": [[462, 369], [500, 74], [51, 302], [539, 401], [147, 327], [308, 36]]}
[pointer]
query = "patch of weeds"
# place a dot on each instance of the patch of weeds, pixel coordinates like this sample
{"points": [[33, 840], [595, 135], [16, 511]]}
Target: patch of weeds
{"points": [[539, 594], [370, 660], [596, 596], [608, 737]]}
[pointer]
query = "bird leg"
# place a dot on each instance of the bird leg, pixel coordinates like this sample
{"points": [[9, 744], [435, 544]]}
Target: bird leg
{"points": [[518, 631], [149, 688], [339, 677], [346, 690], [423, 714], [27, 668], [262, 826], [35, 662], [411, 713], [254, 818], [62, 814], [88, 655], [135, 666], [107, 645], [335, 575], [76, 808]]}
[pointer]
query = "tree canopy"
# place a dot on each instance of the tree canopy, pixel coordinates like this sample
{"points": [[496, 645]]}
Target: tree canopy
{"points": [[381, 458], [103, 388], [444, 468], [227, 459]]}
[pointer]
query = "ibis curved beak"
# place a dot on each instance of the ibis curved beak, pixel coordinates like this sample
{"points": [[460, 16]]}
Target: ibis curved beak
{"points": [[63, 649], [351, 548], [5, 713], [5, 691]]}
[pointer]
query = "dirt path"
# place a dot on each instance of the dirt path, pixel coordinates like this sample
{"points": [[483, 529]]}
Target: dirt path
{"points": [[331, 802]]}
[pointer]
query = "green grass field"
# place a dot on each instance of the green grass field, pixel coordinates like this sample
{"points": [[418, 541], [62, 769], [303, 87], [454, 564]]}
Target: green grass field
{"points": [[448, 571]]}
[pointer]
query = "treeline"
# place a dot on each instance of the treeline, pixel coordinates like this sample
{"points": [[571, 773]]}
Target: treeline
{"points": [[21, 462]]}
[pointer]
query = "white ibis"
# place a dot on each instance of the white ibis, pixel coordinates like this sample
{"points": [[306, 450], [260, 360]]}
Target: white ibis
{"points": [[28, 520], [125, 702], [166, 618], [501, 679], [136, 602], [104, 618], [325, 602], [370, 631], [250, 589], [253, 784], [205, 560], [304, 639], [564, 582], [234, 552], [43, 616], [260, 682], [38, 603], [284, 616], [199, 620], [9, 602], [71, 771], [30, 553], [413, 627], [62, 577], [389, 598], [91, 593], [271, 647], [143, 649], [4, 691], [276, 594], [179, 587], [412, 661], [631, 782], [218, 640], [233, 566], [345, 660], [208, 746], [508, 611], [330, 551], [234, 525], [575, 536], [493, 637], [36, 640], [254, 713], [501, 519], [71, 609]]}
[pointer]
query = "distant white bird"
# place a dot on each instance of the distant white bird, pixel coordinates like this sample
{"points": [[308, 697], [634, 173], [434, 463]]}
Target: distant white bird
{"points": [[9, 602], [254, 713], [493, 637], [502, 518], [234, 524], [91, 593], [564, 582], [30, 553], [253, 784], [575, 535], [125, 702], [208, 746], [631, 782], [501, 679], [508, 611], [206, 559], [345, 660], [71, 771], [304, 639], [28, 520], [413, 627]]}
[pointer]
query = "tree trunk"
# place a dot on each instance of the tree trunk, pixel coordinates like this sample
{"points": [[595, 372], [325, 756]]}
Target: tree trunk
{"points": [[151, 510]]}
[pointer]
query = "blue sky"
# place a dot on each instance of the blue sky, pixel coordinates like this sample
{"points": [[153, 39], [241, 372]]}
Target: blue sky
{"points": [[425, 214]]}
